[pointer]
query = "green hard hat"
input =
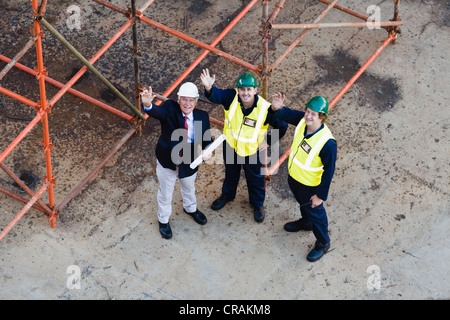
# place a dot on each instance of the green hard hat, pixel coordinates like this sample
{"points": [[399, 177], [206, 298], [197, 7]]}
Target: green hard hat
{"points": [[246, 80], [318, 104]]}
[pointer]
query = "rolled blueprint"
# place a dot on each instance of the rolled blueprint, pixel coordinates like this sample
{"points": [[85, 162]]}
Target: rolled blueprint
{"points": [[209, 149]]}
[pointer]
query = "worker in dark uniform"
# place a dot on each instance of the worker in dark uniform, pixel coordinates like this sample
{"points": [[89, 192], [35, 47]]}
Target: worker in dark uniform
{"points": [[247, 118], [311, 167]]}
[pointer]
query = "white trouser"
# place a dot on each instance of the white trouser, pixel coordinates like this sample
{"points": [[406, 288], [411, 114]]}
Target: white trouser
{"points": [[167, 179]]}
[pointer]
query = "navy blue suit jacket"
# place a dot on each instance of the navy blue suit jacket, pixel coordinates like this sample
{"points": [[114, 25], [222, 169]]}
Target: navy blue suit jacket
{"points": [[167, 149]]}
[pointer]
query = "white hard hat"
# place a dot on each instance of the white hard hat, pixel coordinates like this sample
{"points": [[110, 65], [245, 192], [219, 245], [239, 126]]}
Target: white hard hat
{"points": [[188, 89]]}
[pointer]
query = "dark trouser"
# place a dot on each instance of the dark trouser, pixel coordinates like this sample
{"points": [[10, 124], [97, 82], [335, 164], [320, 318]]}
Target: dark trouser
{"points": [[317, 216], [252, 169]]}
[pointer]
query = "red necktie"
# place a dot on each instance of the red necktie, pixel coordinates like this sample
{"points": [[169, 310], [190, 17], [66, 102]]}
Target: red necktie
{"points": [[186, 128]]}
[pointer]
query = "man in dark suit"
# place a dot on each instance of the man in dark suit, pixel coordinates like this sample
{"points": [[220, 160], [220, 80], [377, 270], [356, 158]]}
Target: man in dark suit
{"points": [[183, 129]]}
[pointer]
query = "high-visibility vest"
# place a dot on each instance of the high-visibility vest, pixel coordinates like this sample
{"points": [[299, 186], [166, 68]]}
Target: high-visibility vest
{"points": [[305, 165], [245, 133]]}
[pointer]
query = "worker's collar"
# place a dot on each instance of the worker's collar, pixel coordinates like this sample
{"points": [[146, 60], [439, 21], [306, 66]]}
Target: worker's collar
{"points": [[311, 134], [255, 102]]}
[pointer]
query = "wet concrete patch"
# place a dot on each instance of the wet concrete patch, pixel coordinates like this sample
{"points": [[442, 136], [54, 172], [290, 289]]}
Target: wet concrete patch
{"points": [[74, 71], [443, 12], [28, 178], [380, 93], [109, 96], [440, 13], [199, 6]]}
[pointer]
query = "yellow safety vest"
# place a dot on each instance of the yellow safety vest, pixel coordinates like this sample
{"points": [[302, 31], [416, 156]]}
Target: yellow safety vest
{"points": [[305, 165], [244, 134]]}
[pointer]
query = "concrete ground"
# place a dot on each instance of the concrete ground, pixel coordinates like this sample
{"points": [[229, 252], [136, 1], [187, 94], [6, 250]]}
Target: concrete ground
{"points": [[388, 208]]}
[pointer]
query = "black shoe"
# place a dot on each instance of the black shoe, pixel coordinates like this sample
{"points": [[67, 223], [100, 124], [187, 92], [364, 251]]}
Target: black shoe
{"points": [[298, 225], [220, 202], [259, 214], [318, 251], [198, 216], [164, 229]]}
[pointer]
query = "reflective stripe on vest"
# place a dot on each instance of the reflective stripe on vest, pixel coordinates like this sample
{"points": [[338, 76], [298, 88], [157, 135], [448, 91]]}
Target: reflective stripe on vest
{"points": [[307, 168], [242, 138]]}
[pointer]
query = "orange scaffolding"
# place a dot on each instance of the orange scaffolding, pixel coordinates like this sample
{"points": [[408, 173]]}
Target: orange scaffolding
{"points": [[43, 106]]}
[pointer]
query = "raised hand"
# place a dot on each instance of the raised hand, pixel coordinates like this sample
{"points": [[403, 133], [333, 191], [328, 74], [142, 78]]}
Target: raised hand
{"points": [[207, 80], [147, 96], [278, 101]]}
